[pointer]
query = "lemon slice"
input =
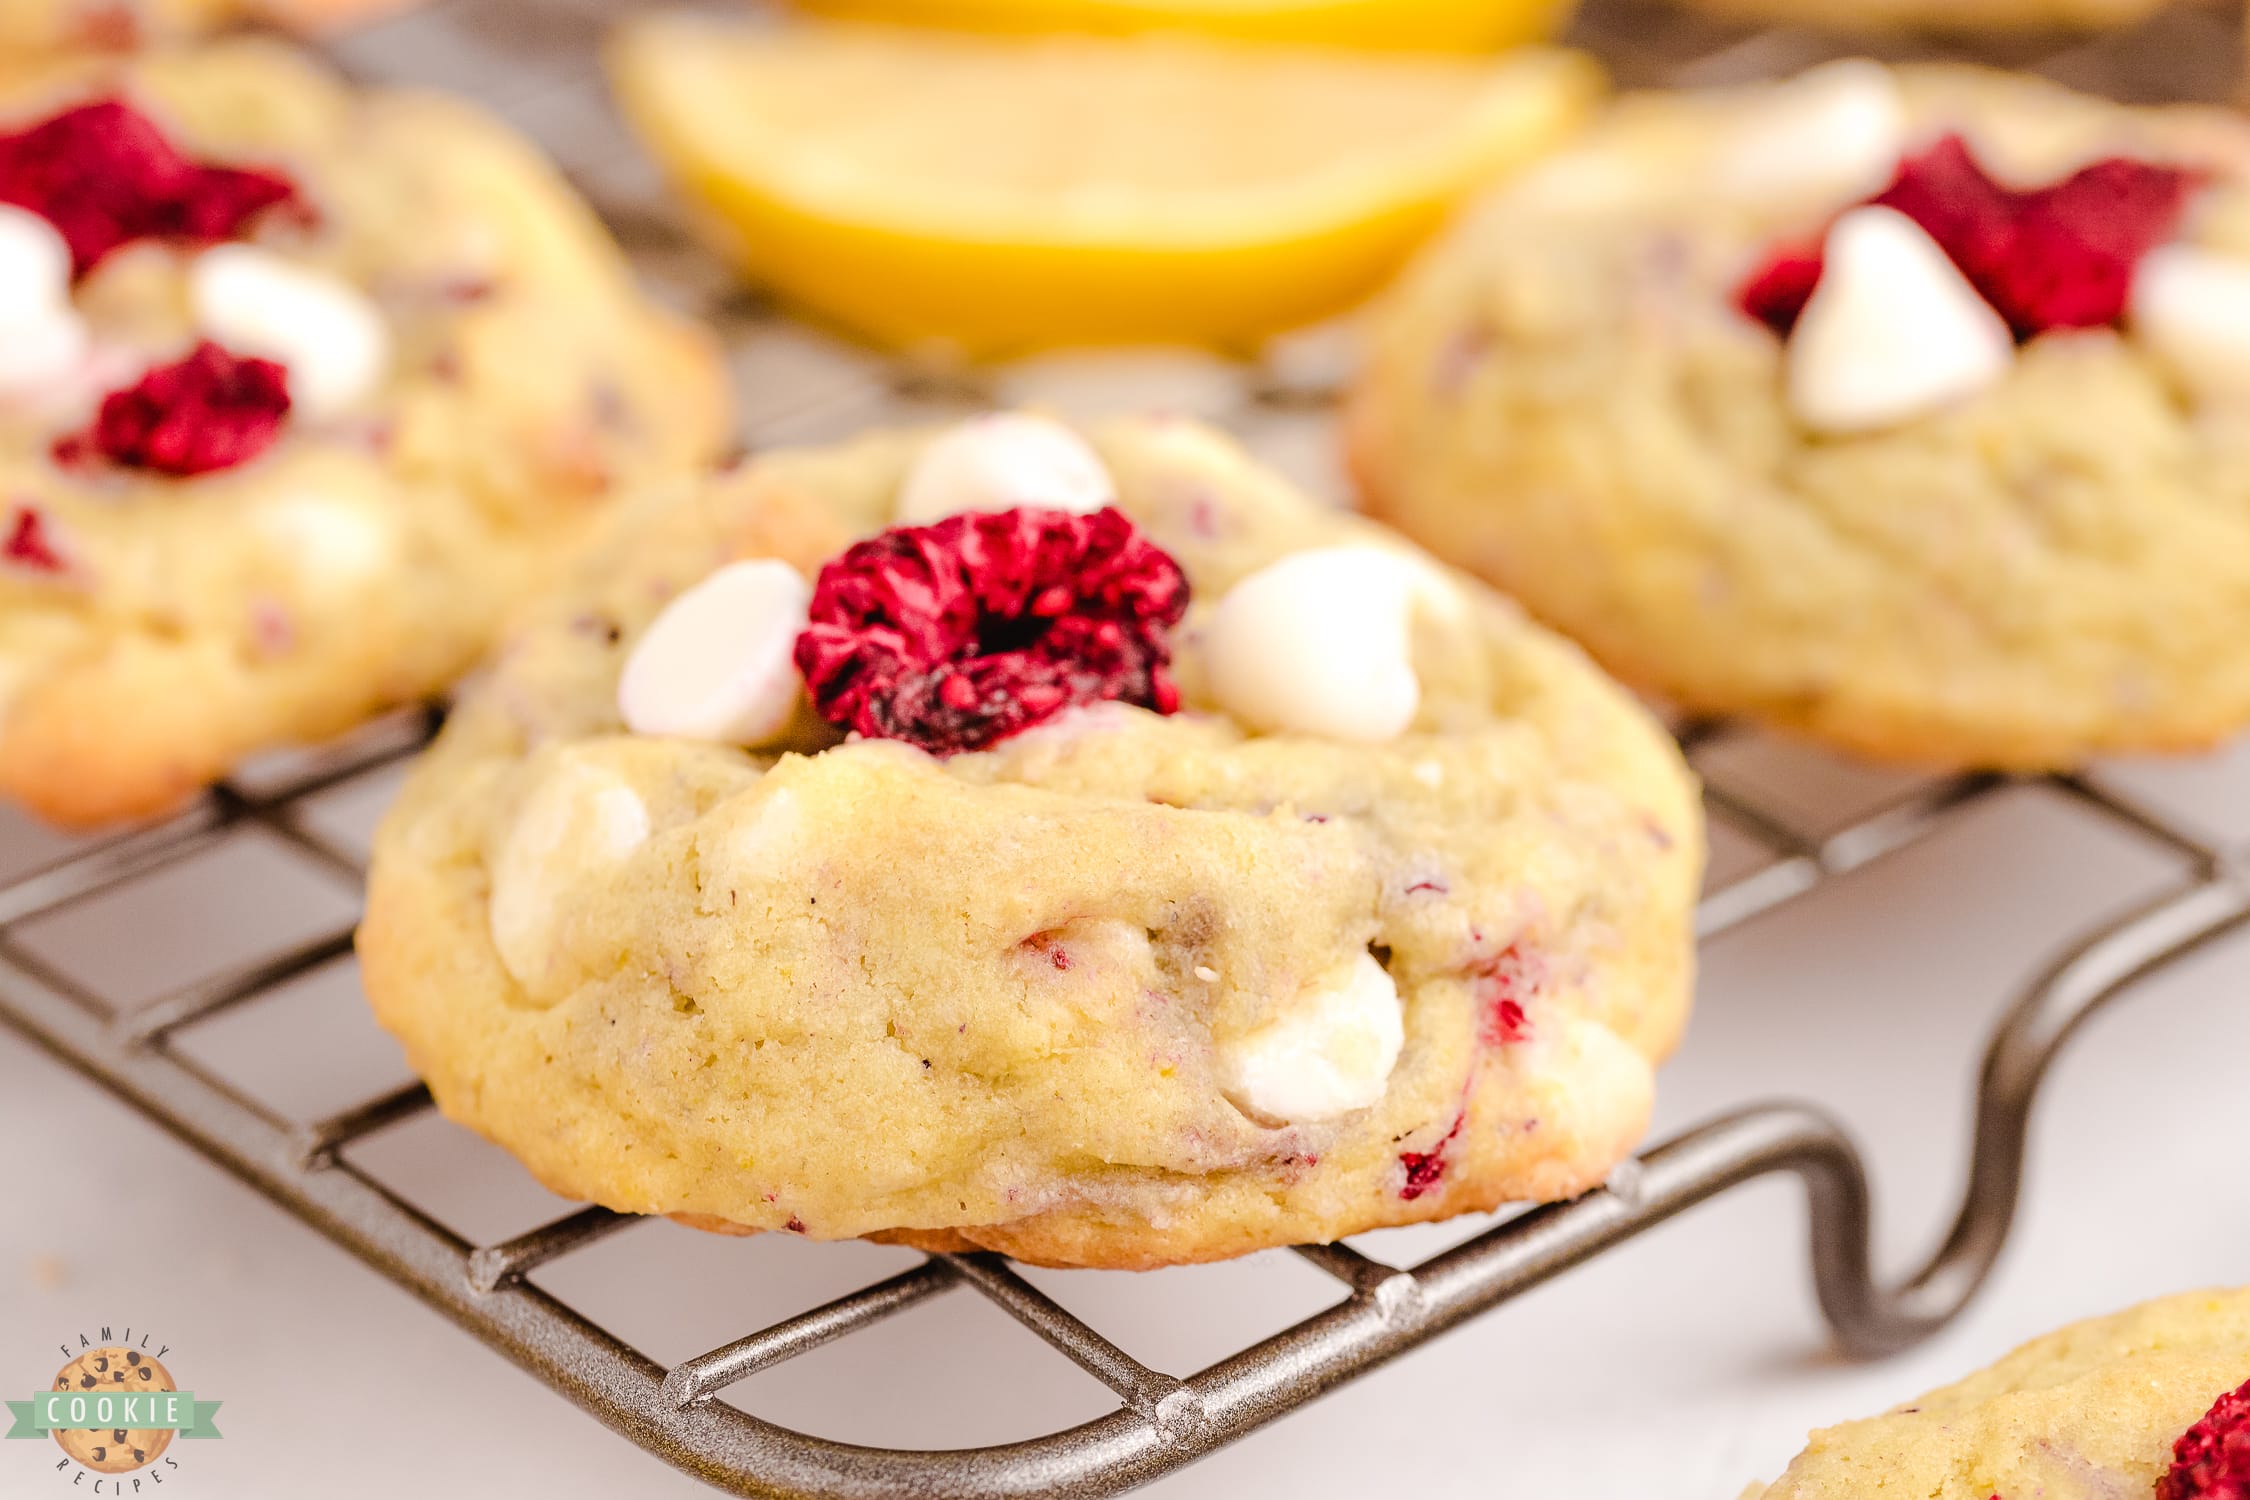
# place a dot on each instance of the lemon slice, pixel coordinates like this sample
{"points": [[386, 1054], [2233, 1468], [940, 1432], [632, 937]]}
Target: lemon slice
{"points": [[993, 194], [1460, 25]]}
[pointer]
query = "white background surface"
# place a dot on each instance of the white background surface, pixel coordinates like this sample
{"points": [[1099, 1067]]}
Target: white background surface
{"points": [[1680, 1366]]}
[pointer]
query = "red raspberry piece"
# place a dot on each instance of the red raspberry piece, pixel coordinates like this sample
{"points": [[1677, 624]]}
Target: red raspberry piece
{"points": [[1777, 291], [1505, 1024], [2212, 1460], [2080, 240], [1501, 989], [2061, 256], [956, 635], [104, 175], [1948, 192], [28, 544], [1426, 1169], [208, 411]]}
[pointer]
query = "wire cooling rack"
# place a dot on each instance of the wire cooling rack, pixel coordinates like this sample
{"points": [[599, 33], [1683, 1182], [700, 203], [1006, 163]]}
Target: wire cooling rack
{"points": [[535, 63]]}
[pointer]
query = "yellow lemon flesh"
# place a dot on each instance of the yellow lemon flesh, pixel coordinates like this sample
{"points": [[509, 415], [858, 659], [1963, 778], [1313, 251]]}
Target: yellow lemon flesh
{"points": [[998, 194], [1457, 25]]}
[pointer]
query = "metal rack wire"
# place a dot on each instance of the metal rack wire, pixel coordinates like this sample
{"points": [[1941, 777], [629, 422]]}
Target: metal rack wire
{"points": [[1161, 1421]]}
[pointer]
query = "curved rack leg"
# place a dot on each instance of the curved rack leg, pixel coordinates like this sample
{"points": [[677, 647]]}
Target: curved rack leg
{"points": [[2035, 1029]]}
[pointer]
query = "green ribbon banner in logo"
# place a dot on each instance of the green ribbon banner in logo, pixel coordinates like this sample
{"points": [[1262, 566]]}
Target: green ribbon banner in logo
{"points": [[82, 1411]]}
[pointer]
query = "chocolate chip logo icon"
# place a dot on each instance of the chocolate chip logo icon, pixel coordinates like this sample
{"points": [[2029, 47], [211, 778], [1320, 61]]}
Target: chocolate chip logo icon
{"points": [[114, 1409], [114, 1371]]}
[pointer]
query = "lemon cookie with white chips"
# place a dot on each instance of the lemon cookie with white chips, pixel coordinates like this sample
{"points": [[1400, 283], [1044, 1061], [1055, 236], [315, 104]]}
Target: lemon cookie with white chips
{"points": [[301, 388], [1908, 410], [1079, 845]]}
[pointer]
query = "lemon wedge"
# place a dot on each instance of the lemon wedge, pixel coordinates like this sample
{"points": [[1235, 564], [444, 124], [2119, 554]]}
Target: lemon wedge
{"points": [[995, 194], [1455, 25]]}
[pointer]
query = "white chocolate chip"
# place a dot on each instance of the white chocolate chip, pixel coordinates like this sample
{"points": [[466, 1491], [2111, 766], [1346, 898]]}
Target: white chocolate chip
{"points": [[578, 820], [1892, 332], [331, 541], [1331, 1054], [719, 663], [1320, 642], [34, 266], [1001, 461], [2192, 307], [40, 353], [43, 341], [325, 331], [1837, 131]]}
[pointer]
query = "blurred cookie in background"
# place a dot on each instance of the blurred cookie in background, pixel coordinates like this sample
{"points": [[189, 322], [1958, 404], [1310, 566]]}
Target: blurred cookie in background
{"points": [[1466, 25], [39, 26], [300, 387], [1949, 16], [1906, 410]]}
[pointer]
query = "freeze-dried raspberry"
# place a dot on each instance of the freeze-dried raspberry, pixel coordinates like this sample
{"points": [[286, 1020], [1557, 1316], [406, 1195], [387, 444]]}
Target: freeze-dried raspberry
{"points": [[104, 175], [2061, 256], [2079, 242], [1505, 1023], [1426, 1169], [1501, 989], [1948, 192], [956, 635], [28, 544], [2212, 1460], [208, 411], [1777, 291]]}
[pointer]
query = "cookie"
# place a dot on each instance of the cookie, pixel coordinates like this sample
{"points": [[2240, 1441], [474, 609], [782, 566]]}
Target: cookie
{"points": [[114, 1450], [302, 387], [1907, 410], [1945, 16], [1082, 847], [2149, 1402], [36, 26]]}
